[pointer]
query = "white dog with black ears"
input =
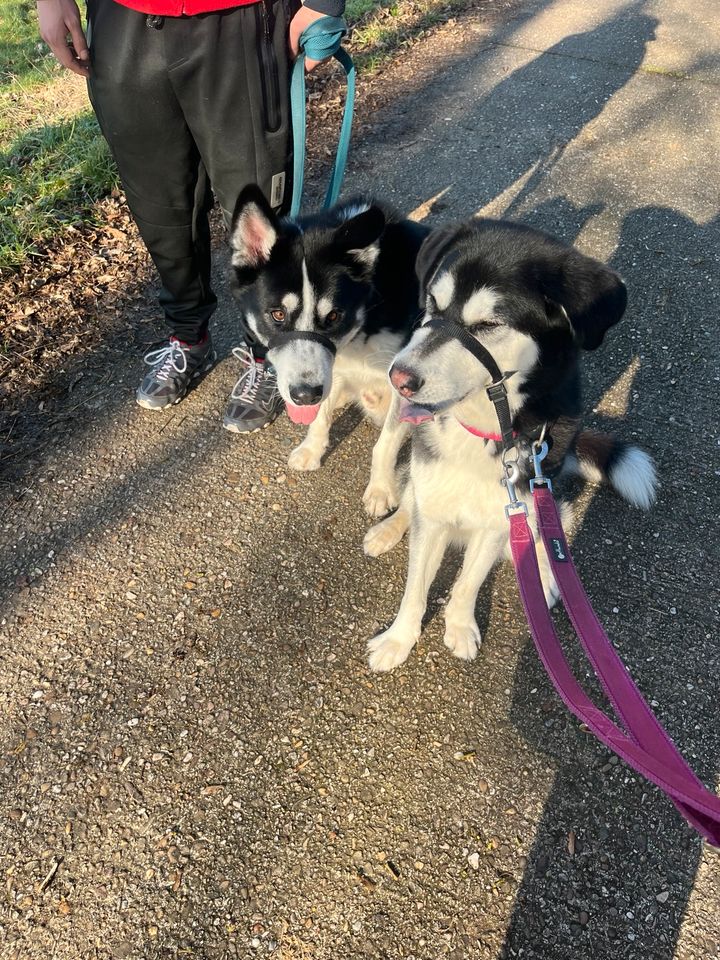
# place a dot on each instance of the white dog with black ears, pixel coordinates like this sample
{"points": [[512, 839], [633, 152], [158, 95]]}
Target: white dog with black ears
{"points": [[534, 304]]}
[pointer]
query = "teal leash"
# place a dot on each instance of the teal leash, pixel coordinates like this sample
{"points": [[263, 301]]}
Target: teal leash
{"points": [[321, 40]]}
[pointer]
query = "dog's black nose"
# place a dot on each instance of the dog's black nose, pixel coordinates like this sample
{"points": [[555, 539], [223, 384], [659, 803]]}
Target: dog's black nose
{"points": [[305, 394], [405, 381]]}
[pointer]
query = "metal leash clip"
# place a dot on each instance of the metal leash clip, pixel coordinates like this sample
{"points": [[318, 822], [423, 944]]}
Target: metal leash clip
{"points": [[539, 452], [512, 475]]}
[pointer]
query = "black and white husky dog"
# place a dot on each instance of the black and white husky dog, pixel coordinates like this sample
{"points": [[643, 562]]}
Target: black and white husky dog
{"points": [[334, 295], [534, 304]]}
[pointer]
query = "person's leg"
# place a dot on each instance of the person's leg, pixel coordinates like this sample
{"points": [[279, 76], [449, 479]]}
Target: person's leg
{"points": [[160, 166], [230, 74], [231, 77]]}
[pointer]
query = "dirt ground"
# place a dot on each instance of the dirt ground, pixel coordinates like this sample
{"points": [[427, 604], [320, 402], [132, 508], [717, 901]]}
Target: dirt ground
{"points": [[195, 759]]}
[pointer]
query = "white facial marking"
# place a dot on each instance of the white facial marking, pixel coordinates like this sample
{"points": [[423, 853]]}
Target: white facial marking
{"points": [[301, 362], [252, 322], [305, 322], [324, 306], [451, 374], [442, 290], [291, 302], [481, 305]]}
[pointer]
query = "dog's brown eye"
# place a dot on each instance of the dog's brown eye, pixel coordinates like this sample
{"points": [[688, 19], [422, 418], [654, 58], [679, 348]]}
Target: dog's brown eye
{"points": [[278, 315], [332, 316]]}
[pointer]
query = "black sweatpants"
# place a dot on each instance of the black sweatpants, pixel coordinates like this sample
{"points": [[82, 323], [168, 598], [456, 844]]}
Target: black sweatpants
{"points": [[188, 104]]}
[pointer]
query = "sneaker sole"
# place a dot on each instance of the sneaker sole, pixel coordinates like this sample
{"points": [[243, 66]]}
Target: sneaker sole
{"points": [[232, 427], [147, 403]]}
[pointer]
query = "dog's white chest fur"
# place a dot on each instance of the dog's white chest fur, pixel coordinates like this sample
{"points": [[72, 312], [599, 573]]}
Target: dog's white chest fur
{"points": [[461, 486]]}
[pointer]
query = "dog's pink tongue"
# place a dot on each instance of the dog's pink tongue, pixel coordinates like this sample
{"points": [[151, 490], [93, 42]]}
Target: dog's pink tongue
{"points": [[412, 413], [302, 414]]}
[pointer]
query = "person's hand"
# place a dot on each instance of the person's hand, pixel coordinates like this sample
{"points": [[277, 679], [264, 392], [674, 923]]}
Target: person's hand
{"points": [[58, 20], [301, 21]]}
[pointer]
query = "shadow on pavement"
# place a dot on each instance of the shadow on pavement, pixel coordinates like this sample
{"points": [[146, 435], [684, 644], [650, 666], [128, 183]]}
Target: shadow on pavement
{"points": [[655, 573]]}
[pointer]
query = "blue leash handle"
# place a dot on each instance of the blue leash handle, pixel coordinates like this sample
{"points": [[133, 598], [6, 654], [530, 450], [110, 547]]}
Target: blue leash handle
{"points": [[320, 40]]}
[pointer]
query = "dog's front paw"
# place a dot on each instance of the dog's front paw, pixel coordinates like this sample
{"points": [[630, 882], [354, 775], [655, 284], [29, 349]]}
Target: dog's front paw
{"points": [[383, 536], [389, 649], [550, 588], [304, 458], [380, 498], [463, 639]]}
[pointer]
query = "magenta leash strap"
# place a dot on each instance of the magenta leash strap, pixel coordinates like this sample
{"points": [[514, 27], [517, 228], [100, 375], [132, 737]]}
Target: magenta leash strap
{"points": [[645, 746], [630, 706]]}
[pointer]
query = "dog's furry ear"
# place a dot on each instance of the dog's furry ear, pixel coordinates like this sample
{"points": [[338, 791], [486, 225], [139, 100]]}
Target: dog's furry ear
{"points": [[592, 296], [254, 229], [359, 235], [433, 251]]}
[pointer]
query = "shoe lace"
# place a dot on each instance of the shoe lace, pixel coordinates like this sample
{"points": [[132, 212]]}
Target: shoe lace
{"points": [[251, 379], [166, 359]]}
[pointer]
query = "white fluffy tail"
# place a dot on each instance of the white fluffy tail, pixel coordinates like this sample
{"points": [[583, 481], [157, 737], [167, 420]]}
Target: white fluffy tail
{"points": [[629, 470]]}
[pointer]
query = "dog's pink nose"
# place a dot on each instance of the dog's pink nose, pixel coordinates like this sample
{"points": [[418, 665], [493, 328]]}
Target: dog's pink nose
{"points": [[405, 381]]}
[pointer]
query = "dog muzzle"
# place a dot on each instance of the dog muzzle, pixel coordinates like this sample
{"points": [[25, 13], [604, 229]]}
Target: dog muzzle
{"points": [[306, 413]]}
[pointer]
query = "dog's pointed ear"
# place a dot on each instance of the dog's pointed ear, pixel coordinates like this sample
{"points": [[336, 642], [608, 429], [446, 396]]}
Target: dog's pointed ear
{"points": [[592, 296], [359, 235], [254, 229], [431, 254]]}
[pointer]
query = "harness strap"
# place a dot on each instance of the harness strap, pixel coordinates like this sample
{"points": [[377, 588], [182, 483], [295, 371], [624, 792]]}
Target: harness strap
{"points": [[456, 331], [322, 39], [498, 394], [497, 391], [282, 337]]}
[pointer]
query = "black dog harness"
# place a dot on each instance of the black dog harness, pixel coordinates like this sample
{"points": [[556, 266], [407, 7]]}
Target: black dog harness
{"points": [[497, 392]]}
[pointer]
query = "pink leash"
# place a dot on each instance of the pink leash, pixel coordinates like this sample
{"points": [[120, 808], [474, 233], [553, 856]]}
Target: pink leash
{"points": [[643, 744]]}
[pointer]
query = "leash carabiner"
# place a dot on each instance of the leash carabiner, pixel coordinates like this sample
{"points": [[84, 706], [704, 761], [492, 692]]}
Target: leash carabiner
{"points": [[539, 452], [512, 475]]}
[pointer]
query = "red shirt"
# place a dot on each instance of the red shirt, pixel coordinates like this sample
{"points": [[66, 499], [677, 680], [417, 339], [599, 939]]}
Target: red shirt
{"points": [[176, 8]]}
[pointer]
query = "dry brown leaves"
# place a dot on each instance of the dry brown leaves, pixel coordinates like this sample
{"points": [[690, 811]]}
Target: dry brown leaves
{"points": [[65, 298]]}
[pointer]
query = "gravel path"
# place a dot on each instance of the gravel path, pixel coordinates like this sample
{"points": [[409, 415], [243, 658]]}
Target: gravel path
{"points": [[195, 759]]}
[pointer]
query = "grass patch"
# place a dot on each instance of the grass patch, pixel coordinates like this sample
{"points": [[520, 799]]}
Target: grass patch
{"points": [[50, 177], [24, 59], [390, 23], [54, 163], [355, 9]]}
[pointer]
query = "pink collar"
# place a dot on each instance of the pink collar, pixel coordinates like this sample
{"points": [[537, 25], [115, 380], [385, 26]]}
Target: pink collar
{"points": [[484, 434]]}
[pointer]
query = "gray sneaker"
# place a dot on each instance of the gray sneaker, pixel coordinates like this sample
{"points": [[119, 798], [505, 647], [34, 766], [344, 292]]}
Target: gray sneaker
{"points": [[174, 368], [254, 401]]}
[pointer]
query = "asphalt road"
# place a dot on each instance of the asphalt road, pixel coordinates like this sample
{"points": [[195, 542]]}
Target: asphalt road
{"points": [[196, 761]]}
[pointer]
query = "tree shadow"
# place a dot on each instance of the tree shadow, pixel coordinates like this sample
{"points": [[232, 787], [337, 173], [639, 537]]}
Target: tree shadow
{"points": [[480, 147]]}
